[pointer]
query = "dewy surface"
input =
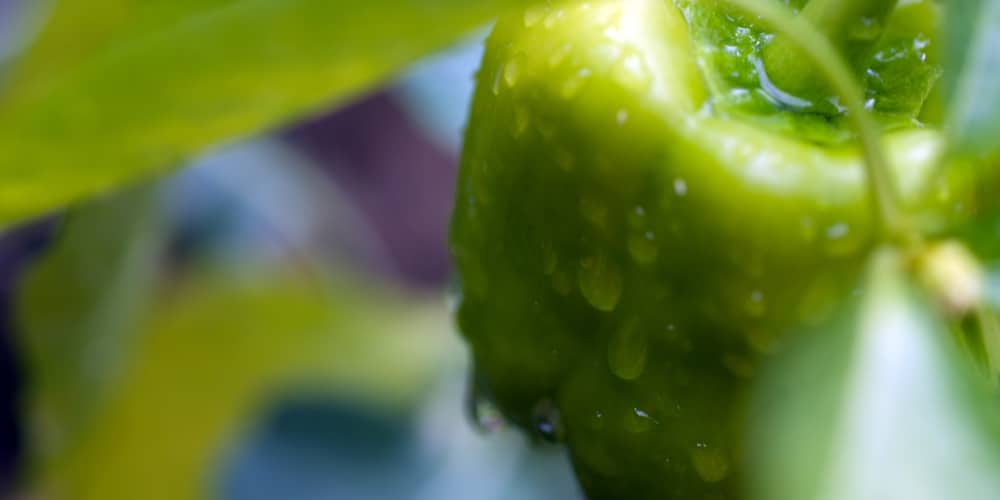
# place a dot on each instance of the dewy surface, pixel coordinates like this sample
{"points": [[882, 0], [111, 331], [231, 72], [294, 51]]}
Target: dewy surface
{"points": [[628, 253], [897, 75]]}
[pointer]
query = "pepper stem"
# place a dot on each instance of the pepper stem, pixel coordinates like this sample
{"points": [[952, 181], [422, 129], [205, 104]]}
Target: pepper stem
{"points": [[834, 70], [990, 331], [853, 27]]}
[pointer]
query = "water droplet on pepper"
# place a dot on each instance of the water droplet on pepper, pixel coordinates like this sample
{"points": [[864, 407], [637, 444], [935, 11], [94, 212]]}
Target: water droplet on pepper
{"points": [[600, 282], [547, 421], [627, 351], [710, 462], [479, 405]]}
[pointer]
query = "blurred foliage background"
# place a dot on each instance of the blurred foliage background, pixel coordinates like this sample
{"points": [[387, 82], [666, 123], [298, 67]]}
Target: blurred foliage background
{"points": [[224, 273], [271, 322]]}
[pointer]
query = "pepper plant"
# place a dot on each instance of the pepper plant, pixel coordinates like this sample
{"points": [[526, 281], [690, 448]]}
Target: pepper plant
{"points": [[720, 249]]}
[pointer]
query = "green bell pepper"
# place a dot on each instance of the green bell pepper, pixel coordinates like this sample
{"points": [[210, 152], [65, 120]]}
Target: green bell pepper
{"points": [[642, 217]]}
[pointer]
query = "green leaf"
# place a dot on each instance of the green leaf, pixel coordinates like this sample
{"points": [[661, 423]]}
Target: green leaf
{"points": [[138, 381], [972, 80], [213, 353], [116, 89], [881, 408], [78, 307]]}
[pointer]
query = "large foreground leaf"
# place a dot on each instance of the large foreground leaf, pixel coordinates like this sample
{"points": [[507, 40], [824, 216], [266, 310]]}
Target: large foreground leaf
{"points": [[882, 408], [973, 79], [114, 89]]}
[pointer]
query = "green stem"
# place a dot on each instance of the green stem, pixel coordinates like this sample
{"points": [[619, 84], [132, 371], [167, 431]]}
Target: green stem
{"points": [[834, 70], [990, 331], [852, 26]]}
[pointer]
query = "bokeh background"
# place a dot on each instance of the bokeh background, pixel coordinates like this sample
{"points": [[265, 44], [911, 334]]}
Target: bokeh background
{"points": [[269, 323]]}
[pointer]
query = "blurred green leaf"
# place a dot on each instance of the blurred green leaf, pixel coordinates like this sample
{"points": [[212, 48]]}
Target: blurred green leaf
{"points": [[972, 80], [79, 305], [881, 408], [139, 381], [212, 352], [116, 89]]}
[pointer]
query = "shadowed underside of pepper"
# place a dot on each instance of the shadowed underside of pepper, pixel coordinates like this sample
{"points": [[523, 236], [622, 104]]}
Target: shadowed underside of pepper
{"points": [[634, 234]]}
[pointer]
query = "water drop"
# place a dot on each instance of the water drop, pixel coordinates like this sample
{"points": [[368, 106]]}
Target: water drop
{"points": [[772, 91], [612, 33], [841, 240], [621, 117], [573, 84], [633, 73], [480, 407], [546, 128], [547, 421], [534, 14], [872, 74], [594, 211], [637, 218], [642, 247], [837, 231], [597, 420], [564, 158], [497, 77], [710, 462], [677, 339], [634, 64], [453, 298], [889, 54], [600, 282], [511, 72], [554, 17], [867, 28], [740, 95], [522, 119], [835, 102], [638, 421], [559, 55], [680, 187], [627, 351], [755, 305], [562, 283]]}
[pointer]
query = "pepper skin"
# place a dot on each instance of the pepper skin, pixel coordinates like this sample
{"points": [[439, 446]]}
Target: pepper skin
{"points": [[631, 243]]}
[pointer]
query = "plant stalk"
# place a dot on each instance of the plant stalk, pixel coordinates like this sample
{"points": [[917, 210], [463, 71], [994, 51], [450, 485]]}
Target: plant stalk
{"points": [[834, 71]]}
